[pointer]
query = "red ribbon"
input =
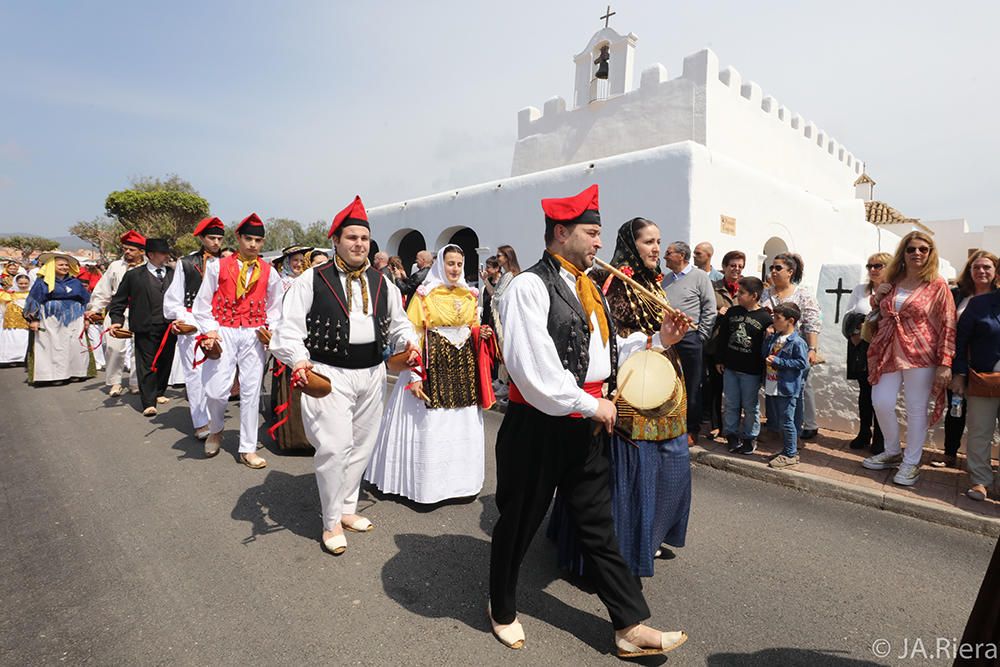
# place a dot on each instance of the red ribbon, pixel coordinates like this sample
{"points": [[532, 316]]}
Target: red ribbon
{"points": [[277, 411], [100, 338], [419, 370], [197, 346], [279, 367], [163, 342]]}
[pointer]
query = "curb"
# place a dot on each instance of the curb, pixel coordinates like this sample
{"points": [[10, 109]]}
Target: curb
{"points": [[827, 488]]}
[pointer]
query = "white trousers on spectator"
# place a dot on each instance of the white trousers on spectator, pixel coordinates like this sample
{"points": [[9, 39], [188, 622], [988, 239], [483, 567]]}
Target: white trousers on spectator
{"points": [[240, 349], [342, 426], [809, 405], [192, 380], [917, 384], [981, 420]]}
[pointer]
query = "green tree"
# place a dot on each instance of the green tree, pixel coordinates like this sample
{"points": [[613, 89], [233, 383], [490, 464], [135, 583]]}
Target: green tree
{"points": [[168, 208], [315, 235], [102, 233], [27, 244], [281, 233]]}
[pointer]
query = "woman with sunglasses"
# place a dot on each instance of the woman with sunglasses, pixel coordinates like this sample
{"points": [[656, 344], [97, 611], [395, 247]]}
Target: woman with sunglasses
{"points": [[858, 307], [786, 274], [978, 277], [912, 349]]}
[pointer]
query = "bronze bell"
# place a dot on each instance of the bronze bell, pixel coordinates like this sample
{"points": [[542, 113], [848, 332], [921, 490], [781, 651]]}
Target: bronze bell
{"points": [[602, 63]]}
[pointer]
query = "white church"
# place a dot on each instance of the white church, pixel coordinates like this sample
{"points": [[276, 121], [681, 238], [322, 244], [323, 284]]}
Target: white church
{"points": [[705, 155]]}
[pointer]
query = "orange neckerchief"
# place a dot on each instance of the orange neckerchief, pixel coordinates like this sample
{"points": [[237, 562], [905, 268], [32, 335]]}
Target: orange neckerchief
{"points": [[590, 297], [251, 266]]}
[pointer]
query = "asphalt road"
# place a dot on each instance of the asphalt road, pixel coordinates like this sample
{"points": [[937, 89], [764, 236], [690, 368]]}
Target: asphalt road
{"points": [[122, 546]]}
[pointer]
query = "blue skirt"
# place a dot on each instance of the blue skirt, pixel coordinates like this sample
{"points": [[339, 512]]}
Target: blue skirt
{"points": [[650, 503]]}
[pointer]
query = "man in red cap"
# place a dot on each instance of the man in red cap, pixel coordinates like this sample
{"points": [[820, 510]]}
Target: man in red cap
{"points": [[117, 351], [239, 298], [560, 348], [177, 305], [342, 319]]}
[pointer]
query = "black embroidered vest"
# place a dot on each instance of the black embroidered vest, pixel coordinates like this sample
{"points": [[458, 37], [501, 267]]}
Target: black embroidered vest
{"points": [[194, 270], [328, 326], [567, 324]]}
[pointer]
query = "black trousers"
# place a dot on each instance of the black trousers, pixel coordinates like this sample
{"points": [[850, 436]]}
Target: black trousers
{"points": [[536, 454], [153, 384], [692, 361], [711, 394], [869, 421], [954, 428]]}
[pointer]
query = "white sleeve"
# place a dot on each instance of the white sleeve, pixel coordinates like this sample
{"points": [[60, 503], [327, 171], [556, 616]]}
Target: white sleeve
{"points": [[173, 299], [401, 329], [275, 294], [289, 335], [530, 355], [100, 299], [202, 307]]}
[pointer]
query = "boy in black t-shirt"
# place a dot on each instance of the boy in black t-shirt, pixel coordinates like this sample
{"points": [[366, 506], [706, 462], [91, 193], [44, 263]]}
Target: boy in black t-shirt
{"points": [[739, 358]]}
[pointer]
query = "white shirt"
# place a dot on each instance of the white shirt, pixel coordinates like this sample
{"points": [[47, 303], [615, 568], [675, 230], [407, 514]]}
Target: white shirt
{"points": [[859, 301], [901, 296], [531, 357], [107, 285], [202, 307], [173, 299], [154, 269], [288, 340]]}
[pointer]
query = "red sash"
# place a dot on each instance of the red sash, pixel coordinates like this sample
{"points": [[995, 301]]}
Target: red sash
{"points": [[595, 389]]}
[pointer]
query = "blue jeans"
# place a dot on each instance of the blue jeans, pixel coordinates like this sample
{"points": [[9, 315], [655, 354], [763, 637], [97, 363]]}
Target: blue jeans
{"points": [[784, 409], [741, 392]]}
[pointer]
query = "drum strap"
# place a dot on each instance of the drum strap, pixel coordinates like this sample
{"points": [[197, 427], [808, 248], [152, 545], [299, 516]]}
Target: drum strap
{"points": [[595, 389]]}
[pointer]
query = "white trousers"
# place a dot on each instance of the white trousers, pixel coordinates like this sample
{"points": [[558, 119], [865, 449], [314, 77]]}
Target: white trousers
{"points": [[916, 384], [342, 427], [192, 381], [116, 351], [94, 336], [240, 349]]}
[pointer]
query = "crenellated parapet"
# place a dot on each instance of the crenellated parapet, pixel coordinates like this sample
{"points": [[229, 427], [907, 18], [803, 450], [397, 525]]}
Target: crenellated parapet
{"points": [[712, 106]]}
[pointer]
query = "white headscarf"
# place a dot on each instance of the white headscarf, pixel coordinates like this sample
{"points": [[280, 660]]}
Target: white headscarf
{"points": [[436, 277]]}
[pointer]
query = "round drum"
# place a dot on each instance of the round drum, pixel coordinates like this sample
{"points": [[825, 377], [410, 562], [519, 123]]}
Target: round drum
{"points": [[647, 379]]}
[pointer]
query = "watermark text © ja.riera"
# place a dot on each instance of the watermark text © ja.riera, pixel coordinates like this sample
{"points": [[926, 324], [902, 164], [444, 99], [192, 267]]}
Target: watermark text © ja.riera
{"points": [[936, 648]]}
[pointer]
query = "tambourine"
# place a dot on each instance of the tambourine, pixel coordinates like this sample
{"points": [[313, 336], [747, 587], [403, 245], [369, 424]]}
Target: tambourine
{"points": [[121, 332], [264, 336], [316, 385], [647, 380], [184, 329]]}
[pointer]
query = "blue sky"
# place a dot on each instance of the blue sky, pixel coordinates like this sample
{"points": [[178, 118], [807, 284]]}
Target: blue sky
{"points": [[290, 108]]}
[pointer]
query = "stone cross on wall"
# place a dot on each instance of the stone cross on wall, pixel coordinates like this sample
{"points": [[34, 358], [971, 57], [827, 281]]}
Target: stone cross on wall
{"points": [[840, 292]]}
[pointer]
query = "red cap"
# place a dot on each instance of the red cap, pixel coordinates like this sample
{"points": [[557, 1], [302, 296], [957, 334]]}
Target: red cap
{"points": [[354, 214], [581, 208], [251, 225], [210, 226], [133, 238]]}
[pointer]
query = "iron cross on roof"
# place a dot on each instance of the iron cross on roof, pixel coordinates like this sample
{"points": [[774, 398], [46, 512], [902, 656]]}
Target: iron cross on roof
{"points": [[607, 16]]}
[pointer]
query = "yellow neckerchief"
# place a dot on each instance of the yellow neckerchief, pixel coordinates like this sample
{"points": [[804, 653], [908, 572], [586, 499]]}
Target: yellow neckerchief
{"points": [[443, 307], [251, 266], [48, 273], [590, 298], [354, 274]]}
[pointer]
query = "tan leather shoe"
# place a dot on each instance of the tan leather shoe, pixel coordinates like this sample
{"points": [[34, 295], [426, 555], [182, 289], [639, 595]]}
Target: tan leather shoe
{"points": [[212, 444], [202, 433], [149, 412], [162, 399], [252, 460], [116, 390]]}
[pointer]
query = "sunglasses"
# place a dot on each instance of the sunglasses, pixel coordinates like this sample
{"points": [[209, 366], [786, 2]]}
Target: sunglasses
{"points": [[913, 249], [777, 267], [874, 266]]}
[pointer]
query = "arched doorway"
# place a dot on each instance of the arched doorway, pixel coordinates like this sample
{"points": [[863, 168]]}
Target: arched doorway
{"points": [[774, 246], [409, 245], [466, 239]]}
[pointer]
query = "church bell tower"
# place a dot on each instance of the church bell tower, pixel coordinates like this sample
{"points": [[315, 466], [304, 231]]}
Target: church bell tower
{"points": [[604, 67]]}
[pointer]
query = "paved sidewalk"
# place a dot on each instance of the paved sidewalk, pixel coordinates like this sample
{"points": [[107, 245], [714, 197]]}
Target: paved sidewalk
{"points": [[830, 468]]}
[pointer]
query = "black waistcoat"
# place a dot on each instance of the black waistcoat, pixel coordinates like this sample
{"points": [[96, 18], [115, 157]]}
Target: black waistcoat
{"points": [[194, 270], [328, 326], [567, 324]]}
